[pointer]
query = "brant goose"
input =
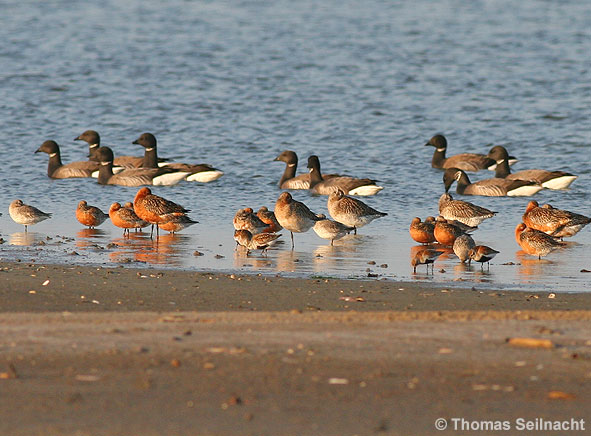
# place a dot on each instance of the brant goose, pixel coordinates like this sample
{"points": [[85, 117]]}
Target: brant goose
{"points": [[197, 173], [57, 170], [466, 161], [548, 179], [289, 180], [134, 176], [349, 185], [494, 187]]}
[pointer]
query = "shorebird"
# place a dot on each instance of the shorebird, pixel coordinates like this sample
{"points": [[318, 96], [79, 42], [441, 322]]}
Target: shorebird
{"points": [[260, 241], [293, 215], [535, 242], [548, 179], [349, 185], [482, 253], [268, 217], [57, 170], [494, 187], [447, 232], [331, 230], [289, 180], [126, 218], [24, 214], [555, 222], [425, 257], [246, 219], [90, 216], [155, 209], [176, 223], [462, 246], [196, 172], [350, 211], [462, 211], [134, 176], [422, 232], [466, 161]]}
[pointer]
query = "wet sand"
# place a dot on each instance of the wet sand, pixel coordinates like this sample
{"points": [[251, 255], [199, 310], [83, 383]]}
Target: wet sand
{"points": [[97, 351]]}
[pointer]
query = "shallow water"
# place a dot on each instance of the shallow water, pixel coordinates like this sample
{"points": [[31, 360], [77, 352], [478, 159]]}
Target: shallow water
{"points": [[361, 84]]}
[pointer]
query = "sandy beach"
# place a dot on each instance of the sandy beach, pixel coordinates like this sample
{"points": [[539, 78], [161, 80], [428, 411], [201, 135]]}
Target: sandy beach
{"points": [[97, 351]]}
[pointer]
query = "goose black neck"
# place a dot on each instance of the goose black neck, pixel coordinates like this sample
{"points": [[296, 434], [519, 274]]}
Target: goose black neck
{"points": [[150, 158], [462, 183], [502, 170], [315, 174], [289, 173], [438, 158], [105, 173], [55, 162]]}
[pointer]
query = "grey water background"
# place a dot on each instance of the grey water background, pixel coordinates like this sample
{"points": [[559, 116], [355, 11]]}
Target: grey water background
{"points": [[362, 84]]}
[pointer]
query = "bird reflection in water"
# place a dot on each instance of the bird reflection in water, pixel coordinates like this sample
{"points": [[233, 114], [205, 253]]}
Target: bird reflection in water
{"points": [[90, 238], [138, 247], [25, 238], [530, 266]]}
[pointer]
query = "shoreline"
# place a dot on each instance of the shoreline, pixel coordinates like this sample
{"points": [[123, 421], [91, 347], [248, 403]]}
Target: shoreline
{"points": [[118, 351]]}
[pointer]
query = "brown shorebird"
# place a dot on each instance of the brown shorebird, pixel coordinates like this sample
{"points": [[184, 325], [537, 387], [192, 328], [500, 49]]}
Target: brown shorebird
{"points": [[260, 241], [268, 217], [246, 219], [331, 230], [426, 256], [494, 187], [57, 170], [350, 211], [535, 242], [554, 222], [126, 218], [176, 223], [90, 216], [447, 232], [155, 209], [462, 246], [466, 161], [482, 253], [548, 179], [24, 214], [462, 211], [349, 185], [422, 232], [294, 215]]}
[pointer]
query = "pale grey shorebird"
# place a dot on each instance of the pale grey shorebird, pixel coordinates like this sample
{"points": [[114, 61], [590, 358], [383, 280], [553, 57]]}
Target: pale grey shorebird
{"points": [[349, 185], [331, 230], [135, 176], [294, 215], [260, 241], [203, 173], [24, 214], [466, 161], [462, 246], [558, 223], [535, 242], [289, 180], [494, 187], [350, 211], [462, 211], [548, 179], [57, 170]]}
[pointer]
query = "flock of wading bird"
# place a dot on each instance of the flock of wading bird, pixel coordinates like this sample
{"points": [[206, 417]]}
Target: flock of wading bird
{"points": [[540, 232]]}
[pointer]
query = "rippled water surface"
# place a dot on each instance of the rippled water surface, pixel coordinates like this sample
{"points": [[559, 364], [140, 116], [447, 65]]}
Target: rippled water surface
{"points": [[362, 84]]}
